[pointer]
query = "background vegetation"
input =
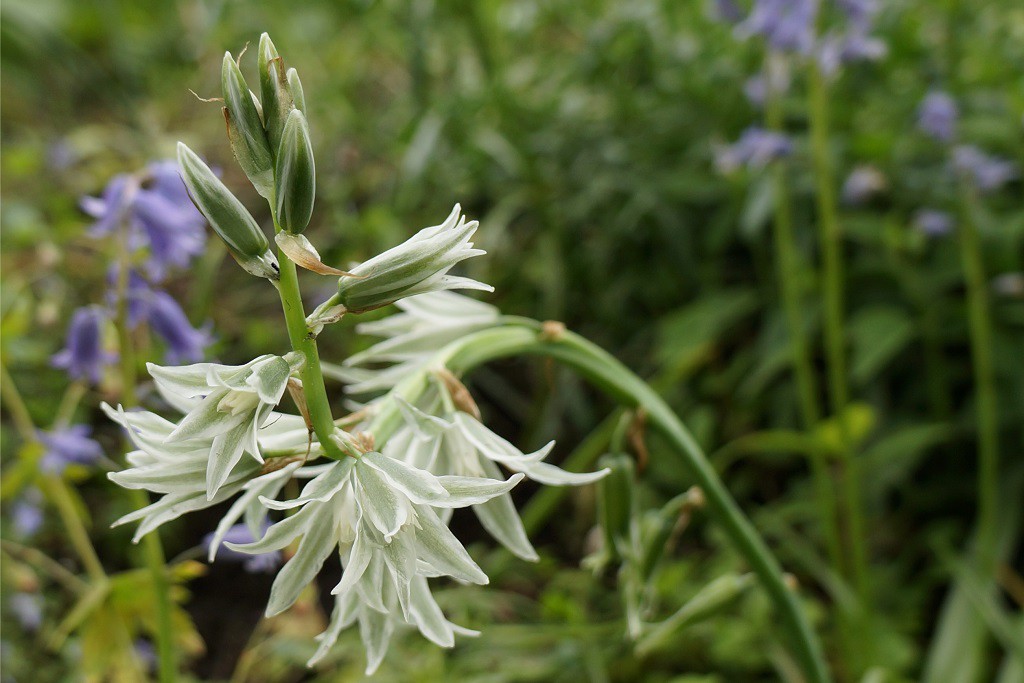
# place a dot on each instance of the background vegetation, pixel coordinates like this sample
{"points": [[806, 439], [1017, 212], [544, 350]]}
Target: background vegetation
{"points": [[583, 137]]}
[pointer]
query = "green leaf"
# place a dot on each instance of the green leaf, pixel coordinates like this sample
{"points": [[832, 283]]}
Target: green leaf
{"points": [[878, 334]]}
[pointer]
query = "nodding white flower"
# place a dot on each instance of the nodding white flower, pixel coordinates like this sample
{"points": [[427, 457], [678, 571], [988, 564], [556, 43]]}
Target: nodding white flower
{"points": [[459, 444], [178, 471], [224, 407], [387, 519], [418, 265], [427, 323]]}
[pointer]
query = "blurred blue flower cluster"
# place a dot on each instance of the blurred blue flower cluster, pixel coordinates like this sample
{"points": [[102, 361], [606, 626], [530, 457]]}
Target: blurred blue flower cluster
{"points": [[152, 215]]}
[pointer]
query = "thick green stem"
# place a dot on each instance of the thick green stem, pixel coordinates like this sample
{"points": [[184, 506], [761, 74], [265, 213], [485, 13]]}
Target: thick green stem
{"points": [[986, 404], [304, 342], [790, 270], [614, 378], [832, 294]]}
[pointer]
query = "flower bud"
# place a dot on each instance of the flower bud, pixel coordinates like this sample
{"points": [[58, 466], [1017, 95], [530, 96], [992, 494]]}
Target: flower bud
{"points": [[227, 216], [245, 129], [416, 266], [295, 86], [295, 175], [274, 90]]}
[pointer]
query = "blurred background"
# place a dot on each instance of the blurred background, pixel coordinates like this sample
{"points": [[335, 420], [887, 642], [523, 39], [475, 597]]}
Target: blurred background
{"points": [[593, 142]]}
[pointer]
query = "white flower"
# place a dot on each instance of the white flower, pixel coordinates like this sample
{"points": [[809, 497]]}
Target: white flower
{"points": [[384, 517], [225, 407], [418, 265], [460, 444], [427, 323], [178, 470]]}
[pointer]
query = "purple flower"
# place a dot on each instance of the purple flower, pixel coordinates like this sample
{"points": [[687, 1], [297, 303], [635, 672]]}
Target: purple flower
{"points": [[933, 223], [787, 25], [67, 446], [28, 610], [937, 115], [855, 45], [159, 216], [27, 515], [83, 355], [240, 533], [755, 148], [146, 653], [185, 344], [858, 12], [862, 183], [988, 173]]}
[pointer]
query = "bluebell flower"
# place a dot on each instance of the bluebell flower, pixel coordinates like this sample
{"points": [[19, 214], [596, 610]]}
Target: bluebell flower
{"points": [[987, 172], [240, 534], [862, 183], [70, 445], [787, 25], [27, 513], [937, 115], [27, 609], [933, 223], [165, 317], [854, 45], [146, 653], [755, 148], [83, 356], [160, 216]]}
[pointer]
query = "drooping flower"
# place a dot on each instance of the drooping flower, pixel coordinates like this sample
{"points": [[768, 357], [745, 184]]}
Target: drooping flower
{"points": [[726, 11], [863, 183], [158, 215], [385, 518], [933, 223], [987, 172], [427, 323], [417, 266], [937, 116], [166, 318], [755, 149], [70, 445], [83, 356], [787, 25]]}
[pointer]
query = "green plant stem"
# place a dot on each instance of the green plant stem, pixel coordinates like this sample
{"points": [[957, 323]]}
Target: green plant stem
{"points": [[832, 294], [980, 325], [790, 270], [57, 491], [15, 405], [304, 342], [153, 552], [611, 376]]}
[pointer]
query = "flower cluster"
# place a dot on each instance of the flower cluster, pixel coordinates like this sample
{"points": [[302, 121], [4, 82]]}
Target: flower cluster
{"points": [[152, 215]]}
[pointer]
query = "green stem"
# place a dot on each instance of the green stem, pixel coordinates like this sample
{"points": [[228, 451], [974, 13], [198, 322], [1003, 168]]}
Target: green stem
{"points": [[832, 291], [57, 491], [304, 342], [610, 375], [790, 270], [981, 356]]}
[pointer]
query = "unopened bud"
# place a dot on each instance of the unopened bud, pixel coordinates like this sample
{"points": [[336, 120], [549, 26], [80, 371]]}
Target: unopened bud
{"points": [[295, 86], [227, 216], [245, 129], [295, 175], [419, 265], [274, 90]]}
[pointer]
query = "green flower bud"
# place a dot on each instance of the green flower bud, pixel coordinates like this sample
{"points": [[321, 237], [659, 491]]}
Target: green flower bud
{"points": [[295, 86], [418, 265], [615, 503], [227, 216], [295, 175], [245, 129], [274, 90]]}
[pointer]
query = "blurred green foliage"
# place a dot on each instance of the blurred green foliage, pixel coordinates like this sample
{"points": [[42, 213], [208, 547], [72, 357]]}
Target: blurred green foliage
{"points": [[581, 134]]}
